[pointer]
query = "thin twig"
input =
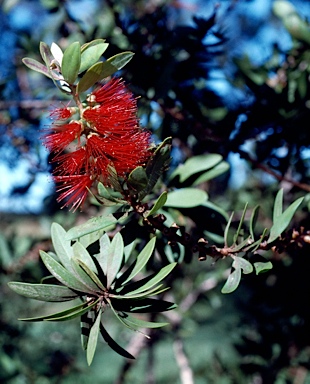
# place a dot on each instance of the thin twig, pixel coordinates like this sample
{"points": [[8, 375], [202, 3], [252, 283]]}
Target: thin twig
{"points": [[186, 373]]}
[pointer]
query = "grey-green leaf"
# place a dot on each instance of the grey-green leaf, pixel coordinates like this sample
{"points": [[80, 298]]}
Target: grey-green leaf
{"points": [[62, 246], [245, 265], [186, 198], [121, 59], [278, 205], [261, 267], [159, 203], [71, 62], [139, 323], [155, 280], [142, 259], [61, 274], [92, 53], [283, 221], [195, 165], [232, 282], [43, 292], [95, 73], [93, 338], [115, 258], [81, 253], [92, 225], [36, 66], [216, 171]]}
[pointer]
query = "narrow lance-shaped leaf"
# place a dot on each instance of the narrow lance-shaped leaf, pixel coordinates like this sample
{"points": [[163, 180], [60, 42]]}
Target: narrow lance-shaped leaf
{"points": [[92, 225], [81, 253], [36, 66], [140, 323], [87, 321], [61, 245], [278, 205], [226, 232], [61, 274], [240, 224], [67, 314], [95, 73], [253, 220], [156, 279], [93, 338], [283, 220], [43, 292], [141, 260], [159, 203], [115, 258], [82, 276], [91, 274], [186, 198], [216, 171]]}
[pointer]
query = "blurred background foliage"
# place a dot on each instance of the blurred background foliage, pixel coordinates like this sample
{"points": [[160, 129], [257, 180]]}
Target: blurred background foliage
{"points": [[228, 77]]}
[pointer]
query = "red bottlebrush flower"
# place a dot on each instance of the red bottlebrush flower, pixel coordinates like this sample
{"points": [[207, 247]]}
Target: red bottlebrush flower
{"points": [[107, 136]]}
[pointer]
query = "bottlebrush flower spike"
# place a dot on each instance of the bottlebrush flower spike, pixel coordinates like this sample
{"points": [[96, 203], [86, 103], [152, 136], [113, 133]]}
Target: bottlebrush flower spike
{"points": [[106, 135]]}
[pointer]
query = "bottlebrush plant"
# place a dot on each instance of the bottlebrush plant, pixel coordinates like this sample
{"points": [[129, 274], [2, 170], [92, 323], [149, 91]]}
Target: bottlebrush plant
{"points": [[100, 150]]}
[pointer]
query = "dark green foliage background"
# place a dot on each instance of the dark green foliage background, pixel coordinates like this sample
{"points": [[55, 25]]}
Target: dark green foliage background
{"points": [[258, 334]]}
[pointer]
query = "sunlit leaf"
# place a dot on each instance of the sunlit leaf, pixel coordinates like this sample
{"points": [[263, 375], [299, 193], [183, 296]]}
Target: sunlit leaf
{"points": [[146, 305], [140, 323], [61, 245], [67, 314], [278, 205], [140, 261], [115, 258], [91, 53], [93, 338], [283, 221], [81, 253], [61, 274], [36, 66], [216, 171], [156, 279], [82, 276], [226, 231], [71, 62], [92, 225], [102, 257], [91, 274], [236, 235], [43, 292], [232, 282], [245, 265], [186, 198], [195, 165]]}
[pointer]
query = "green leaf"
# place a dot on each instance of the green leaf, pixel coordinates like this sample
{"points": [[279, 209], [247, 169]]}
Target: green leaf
{"points": [[155, 280], [92, 225], [91, 53], [232, 282], [216, 171], [140, 261], [278, 205], [261, 267], [113, 344], [240, 224], [82, 276], [71, 62], [46, 54], [91, 274], [195, 165], [62, 246], [121, 59], [43, 292], [139, 323], [81, 253], [226, 232], [95, 73], [87, 321], [186, 198], [283, 220], [115, 258], [245, 265], [138, 178], [36, 66], [253, 220], [159, 203], [67, 314], [93, 339], [61, 274], [102, 257]]}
